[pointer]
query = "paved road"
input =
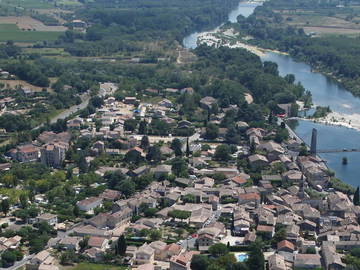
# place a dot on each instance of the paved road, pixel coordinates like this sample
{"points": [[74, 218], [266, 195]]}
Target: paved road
{"points": [[73, 109]]}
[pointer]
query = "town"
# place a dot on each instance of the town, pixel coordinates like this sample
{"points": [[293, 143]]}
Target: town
{"points": [[128, 181]]}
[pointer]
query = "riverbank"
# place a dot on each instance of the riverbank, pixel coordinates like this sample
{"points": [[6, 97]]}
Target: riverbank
{"points": [[337, 119], [227, 37]]}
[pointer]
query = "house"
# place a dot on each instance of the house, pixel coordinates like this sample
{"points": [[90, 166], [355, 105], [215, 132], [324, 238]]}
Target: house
{"points": [[130, 100], [307, 261], [94, 254], [249, 198], [53, 154], [89, 230], [139, 171], [98, 242], [110, 195], [70, 243], [145, 254], [25, 153], [285, 246], [332, 259], [182, 261], [276, 262], [183, 182], [199, 217], [89, 204], [207, 102], [238, 180], [50, 219], [161, 170], [258, 161], [273, 149], [249, 238], [169, 251], [265, 231], [166, 103], [158, 247]]}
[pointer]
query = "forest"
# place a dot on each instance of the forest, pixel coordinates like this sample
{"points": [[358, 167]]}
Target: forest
{"points": [[119, 26]]}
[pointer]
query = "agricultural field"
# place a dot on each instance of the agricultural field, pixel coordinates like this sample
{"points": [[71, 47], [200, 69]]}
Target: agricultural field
{"points": [[29, 24], [12, 32], [13, 84], [333, 22]]}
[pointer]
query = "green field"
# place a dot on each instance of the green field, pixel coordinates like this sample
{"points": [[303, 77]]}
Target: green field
{"points": [[92, 266], [38, 4], [12, 32]]}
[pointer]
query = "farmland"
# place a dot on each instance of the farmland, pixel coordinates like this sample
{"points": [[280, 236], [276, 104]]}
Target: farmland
{"points": [[12, 32]]}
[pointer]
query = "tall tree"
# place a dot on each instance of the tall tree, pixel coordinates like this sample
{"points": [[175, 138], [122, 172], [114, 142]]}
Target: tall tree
{"points": [[5, 206], [121, 246], [145, 143], [256, 258], [176, 145], [357, 197], [187, 148]]}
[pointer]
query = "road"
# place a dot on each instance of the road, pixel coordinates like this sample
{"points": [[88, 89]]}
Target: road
{"points": [[73, 109]]}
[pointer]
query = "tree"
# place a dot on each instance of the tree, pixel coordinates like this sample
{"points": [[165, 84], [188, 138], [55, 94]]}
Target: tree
{"points": [[187, 148], [356, 199], [154, 235], [133, 156], [130, 124], [96, 101], [212, 131], [222, 152], [8, 257], [23, 200], [179, 214], [145, 143], [143, 127], [226, 261], [218, 250], [154, 154], [127, 187], [121, 246], [84, 243], [179, 167], [199, 262], [256, 258], [5, 206], [176, 145]]}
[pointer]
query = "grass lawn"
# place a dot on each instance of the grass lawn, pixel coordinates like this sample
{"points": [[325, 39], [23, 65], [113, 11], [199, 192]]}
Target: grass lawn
{"points": [[12, 32], [93, 266]]}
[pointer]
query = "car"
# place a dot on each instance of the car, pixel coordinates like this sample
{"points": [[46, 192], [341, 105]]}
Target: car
{"points": [[194, 235], [237, 243]]}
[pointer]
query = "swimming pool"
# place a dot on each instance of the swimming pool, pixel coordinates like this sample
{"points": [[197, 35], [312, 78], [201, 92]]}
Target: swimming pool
{"points": [[241, 257]]}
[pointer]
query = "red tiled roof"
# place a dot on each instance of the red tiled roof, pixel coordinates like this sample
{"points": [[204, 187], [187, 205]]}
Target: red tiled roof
{"points": [[285, 244]]}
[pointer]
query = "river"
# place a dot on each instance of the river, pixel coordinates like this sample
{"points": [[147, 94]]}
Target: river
{"points": [[325, 92]]}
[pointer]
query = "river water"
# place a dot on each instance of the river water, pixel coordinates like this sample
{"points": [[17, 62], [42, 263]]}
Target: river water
{"points": [[325, 92]]}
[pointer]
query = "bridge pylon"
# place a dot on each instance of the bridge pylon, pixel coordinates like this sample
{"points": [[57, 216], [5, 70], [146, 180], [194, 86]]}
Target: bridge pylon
{"points": [[313, 146]]}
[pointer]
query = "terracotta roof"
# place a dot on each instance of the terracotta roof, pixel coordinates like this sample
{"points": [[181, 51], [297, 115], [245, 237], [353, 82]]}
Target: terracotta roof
{"points": [[265, 228], [249, 196], [95, 241], [285, 244], [238, 180]]}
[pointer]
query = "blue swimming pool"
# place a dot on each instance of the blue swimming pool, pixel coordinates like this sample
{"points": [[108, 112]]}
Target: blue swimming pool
{"points": [[241, 257]]}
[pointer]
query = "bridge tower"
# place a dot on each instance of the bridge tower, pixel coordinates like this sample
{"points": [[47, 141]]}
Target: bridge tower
{"points": [[313, 145]]}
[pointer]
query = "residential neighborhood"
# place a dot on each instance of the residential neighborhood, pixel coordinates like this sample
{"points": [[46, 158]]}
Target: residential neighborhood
{"points": [[141, 188]]}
